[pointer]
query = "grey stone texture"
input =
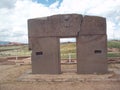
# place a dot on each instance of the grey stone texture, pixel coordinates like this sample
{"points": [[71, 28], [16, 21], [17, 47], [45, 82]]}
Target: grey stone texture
{"points": [[91, 54], [90, 31], [57, 25], [93, 25], [46, 56]]}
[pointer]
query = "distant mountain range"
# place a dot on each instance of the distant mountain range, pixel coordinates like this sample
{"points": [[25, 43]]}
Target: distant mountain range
{"points": [[4, 42], [10, 43]]}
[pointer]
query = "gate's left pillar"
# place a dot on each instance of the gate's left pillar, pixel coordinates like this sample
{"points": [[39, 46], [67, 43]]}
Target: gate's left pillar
{"points": [[45, 55]]}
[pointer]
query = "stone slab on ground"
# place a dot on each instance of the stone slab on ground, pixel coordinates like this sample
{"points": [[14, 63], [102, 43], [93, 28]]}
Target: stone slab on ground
{"points": [[67, 77]]}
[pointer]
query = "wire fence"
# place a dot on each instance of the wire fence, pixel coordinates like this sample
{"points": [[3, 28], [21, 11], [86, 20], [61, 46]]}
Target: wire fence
{"points": [[68, 55]]}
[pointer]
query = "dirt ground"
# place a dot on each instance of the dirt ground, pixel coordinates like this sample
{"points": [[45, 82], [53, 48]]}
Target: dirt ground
{"points": [[9, 75], [61, 86]]}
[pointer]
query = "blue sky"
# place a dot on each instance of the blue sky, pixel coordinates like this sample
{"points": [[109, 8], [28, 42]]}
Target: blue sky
{"points": [[47, 2], [15, 13]]}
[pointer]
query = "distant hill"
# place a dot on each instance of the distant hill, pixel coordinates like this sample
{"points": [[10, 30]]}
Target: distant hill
{"points": [[10, 43], [4, 42]]}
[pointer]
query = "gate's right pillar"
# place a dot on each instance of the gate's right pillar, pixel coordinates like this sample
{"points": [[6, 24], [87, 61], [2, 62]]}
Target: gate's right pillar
{"points": [[92, 46]]}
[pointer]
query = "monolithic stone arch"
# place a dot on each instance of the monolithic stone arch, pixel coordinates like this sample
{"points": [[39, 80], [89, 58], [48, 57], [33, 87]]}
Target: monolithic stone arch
{"points": [[90, 32]]}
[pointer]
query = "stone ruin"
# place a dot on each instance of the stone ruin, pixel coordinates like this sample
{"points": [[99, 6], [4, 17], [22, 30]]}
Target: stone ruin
{"points": [[91, 42]]}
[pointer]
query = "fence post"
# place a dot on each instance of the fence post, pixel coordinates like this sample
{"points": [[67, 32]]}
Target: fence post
{"points": [[16, 54], [69, 58]]}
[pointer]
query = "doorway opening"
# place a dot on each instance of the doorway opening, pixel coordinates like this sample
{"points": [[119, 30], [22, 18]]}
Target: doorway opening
{"points": [[68, 55]]}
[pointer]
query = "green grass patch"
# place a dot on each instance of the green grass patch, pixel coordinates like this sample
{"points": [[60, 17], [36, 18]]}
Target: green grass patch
{"points": [[10, 51], [10, 47], [113, 54], [66, 49], [113, 44]]}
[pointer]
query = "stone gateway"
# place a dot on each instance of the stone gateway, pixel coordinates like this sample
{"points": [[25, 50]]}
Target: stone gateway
{"points": [[90, 32]]}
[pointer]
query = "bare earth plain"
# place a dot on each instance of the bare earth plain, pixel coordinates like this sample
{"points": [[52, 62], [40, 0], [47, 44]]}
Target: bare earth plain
{"points": [[12, 78]]}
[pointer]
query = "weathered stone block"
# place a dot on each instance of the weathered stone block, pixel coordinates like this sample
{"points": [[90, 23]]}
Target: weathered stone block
{"points": [[91, 54], [93, 25], [46, 56], [67, 25]]}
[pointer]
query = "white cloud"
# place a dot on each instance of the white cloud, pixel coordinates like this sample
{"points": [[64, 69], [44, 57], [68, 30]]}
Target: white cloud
{"points": [[54, 5], [7, 3], [110, 29], [14, 15], [14, 21], [67, 39]]}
